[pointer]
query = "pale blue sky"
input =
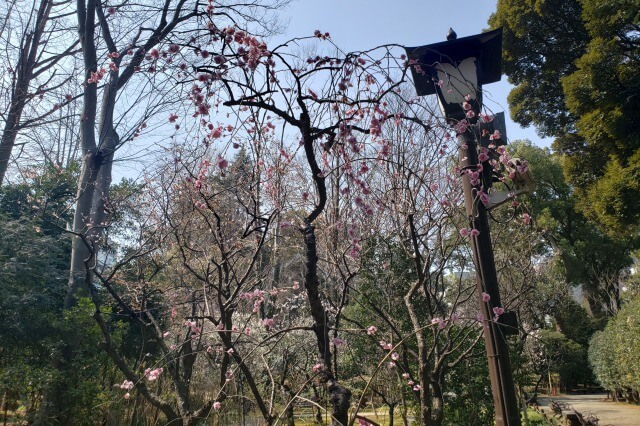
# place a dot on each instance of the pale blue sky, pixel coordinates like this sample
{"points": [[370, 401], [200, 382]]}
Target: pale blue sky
{"points": [[362, 24]]}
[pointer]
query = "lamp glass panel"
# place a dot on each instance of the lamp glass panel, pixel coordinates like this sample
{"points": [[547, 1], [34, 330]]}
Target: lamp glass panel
{"points": [[458, 80]]}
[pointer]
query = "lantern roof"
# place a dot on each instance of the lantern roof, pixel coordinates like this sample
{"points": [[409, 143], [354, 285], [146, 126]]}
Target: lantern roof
{"points": [[486, 47]]}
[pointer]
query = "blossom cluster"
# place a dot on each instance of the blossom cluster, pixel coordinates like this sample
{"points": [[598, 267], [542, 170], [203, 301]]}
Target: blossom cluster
{"points": [[411, 383], [153, 374], [465, 232]]}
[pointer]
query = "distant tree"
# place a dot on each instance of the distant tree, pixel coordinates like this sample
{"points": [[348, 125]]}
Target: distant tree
{"points": [[590, 258], [542, 39], [604, 93], [602, 361], [558, 355], [134, 49], [613, 357], [36, 68], [34, 260], [32, 270], [574, 66]]}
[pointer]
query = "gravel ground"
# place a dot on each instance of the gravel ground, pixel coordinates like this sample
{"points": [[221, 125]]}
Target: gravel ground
{"points": [[610, 413]]}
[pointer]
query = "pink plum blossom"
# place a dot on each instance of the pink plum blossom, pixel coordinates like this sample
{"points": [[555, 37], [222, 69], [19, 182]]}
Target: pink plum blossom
{"points": [[484, 198], [461, 126], [386, 346], [486, 118], [153, 374]]}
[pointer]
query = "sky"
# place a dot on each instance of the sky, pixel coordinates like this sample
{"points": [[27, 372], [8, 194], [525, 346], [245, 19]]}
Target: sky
{"points": [[363, 24]]}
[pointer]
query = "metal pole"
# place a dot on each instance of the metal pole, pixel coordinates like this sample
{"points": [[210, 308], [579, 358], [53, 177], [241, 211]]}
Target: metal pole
{"points": [[502, 387]]}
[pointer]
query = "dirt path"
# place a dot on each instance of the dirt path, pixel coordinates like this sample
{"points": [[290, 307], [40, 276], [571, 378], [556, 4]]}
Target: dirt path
{"points": [[610, 413]]}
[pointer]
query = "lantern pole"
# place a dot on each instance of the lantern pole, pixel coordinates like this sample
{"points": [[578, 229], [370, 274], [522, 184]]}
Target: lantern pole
{"points": [[485, 51], [502, 385]]}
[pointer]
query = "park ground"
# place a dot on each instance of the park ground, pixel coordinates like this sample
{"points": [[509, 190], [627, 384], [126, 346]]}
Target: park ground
{"points": [[609, 412]]}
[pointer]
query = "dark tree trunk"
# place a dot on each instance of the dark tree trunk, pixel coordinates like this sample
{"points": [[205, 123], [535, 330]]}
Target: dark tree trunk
{"points": [[437, 405], [317, 409], [339, 396], [392, 409], [340, 399], [9, 135], [289, 398]]}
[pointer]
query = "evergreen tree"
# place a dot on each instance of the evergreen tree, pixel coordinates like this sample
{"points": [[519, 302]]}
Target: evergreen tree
{"points": [[574, 64]]}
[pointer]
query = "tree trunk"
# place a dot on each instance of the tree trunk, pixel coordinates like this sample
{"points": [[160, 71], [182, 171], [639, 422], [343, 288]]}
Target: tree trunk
{"points": [[340, 399], [289, 398], [339, 396], [90, 216], [424, 372], [4, 407], [10, 133], [317, 409], [437, 405], [392, 409], [82, 248]]}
